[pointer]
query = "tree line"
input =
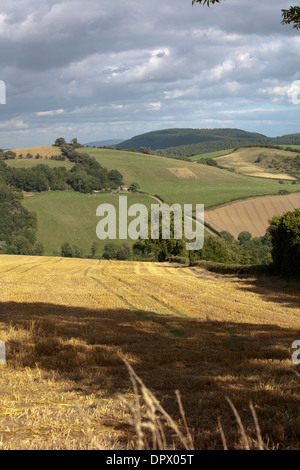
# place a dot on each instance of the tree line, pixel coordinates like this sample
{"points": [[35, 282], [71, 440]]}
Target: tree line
{"points": [[112, 250], [18, 226], [86, 175], [277, 252]]}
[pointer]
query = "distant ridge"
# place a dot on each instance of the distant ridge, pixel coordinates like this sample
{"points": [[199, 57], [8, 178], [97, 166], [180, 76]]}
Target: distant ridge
{"points": [[289, 139], [102, 143], [166, 138], [188, 142]]}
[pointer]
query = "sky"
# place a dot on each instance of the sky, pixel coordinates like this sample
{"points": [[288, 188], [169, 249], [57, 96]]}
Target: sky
{"points": [[113, 69]]}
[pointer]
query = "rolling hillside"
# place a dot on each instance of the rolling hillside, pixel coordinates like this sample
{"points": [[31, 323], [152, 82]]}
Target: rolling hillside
{"points": [[71, 215], [182, 143], [101, 143], [252, 215], [288, 139], [45, 152], [263, 162], [200, 138], [31, 162], [67, 216], [184, 182]]}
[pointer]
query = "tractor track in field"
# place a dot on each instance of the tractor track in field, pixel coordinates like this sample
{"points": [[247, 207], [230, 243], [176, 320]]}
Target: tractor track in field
{"points": [[36, 266], [160, 302], [26, 264], [136, 310]]}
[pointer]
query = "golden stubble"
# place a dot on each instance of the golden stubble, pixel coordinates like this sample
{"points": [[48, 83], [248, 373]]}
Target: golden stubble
{"points": [[70, 327]]}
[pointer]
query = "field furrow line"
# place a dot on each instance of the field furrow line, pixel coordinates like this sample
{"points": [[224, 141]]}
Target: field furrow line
{"points": [[171, 293], [141, 314], [264, 208], [231, 220], [16, 267], [135, 296], [249, 220], [222, 223], [160, 302], [258, 215], [36, 265]]}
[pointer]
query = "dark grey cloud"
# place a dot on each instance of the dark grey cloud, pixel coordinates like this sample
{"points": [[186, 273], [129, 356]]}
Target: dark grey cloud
{"points": [[100, 69]]}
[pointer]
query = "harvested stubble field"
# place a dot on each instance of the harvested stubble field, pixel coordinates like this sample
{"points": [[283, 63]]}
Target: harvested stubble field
{"points": [[257, 161], [251, 214], [68, 324], [43, 151]]}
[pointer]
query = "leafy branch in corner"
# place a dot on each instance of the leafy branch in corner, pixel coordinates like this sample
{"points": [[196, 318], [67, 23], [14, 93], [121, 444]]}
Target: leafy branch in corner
{"points": [[290, 16]]}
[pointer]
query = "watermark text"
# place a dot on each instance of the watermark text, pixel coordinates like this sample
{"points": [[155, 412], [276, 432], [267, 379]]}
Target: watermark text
{"points": [[2, 92], [138, 227]]}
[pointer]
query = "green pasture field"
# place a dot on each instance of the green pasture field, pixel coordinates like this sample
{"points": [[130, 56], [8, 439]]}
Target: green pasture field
{"points": [[68, 216], [296, 147], [30, 162], [196, 184]]}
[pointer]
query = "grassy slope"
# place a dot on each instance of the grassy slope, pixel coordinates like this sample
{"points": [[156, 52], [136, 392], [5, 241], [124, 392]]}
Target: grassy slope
{"points": [[70, 216], [29, 163], [296, 147], [211, 186]]}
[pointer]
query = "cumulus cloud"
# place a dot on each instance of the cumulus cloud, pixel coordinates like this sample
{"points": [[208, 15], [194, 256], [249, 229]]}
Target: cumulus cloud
{"points": [[290, 92], [294, 92], [50, 113], [96, 69]]}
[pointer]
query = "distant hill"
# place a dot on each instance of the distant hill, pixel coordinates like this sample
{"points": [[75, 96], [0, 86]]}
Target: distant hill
{"points": [[177, 137], [289, 139], [201, 139], [102, 143]]}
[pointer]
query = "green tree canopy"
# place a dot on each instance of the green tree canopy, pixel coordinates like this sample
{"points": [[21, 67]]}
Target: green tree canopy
{"points": [[244, 237], [161, 248], [285, 238], [134, 187], [60, 141], [67, 250], [290, 16]]}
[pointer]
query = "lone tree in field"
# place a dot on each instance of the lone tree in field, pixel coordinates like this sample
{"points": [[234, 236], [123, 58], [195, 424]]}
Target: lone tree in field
{"points": [[59, 142], [134, 187], [290, 16], [285, 237]]}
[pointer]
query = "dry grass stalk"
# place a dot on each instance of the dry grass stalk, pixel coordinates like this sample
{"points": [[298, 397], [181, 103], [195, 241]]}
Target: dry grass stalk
{"points": [[154, 422], [257, 427], [222, 434], [244, 436], [90, 433], [240, 424]]}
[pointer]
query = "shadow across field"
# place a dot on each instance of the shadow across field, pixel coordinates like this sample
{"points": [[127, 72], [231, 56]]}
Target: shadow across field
{"points": [[270, 288], [211, 360], [273, 289]]}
